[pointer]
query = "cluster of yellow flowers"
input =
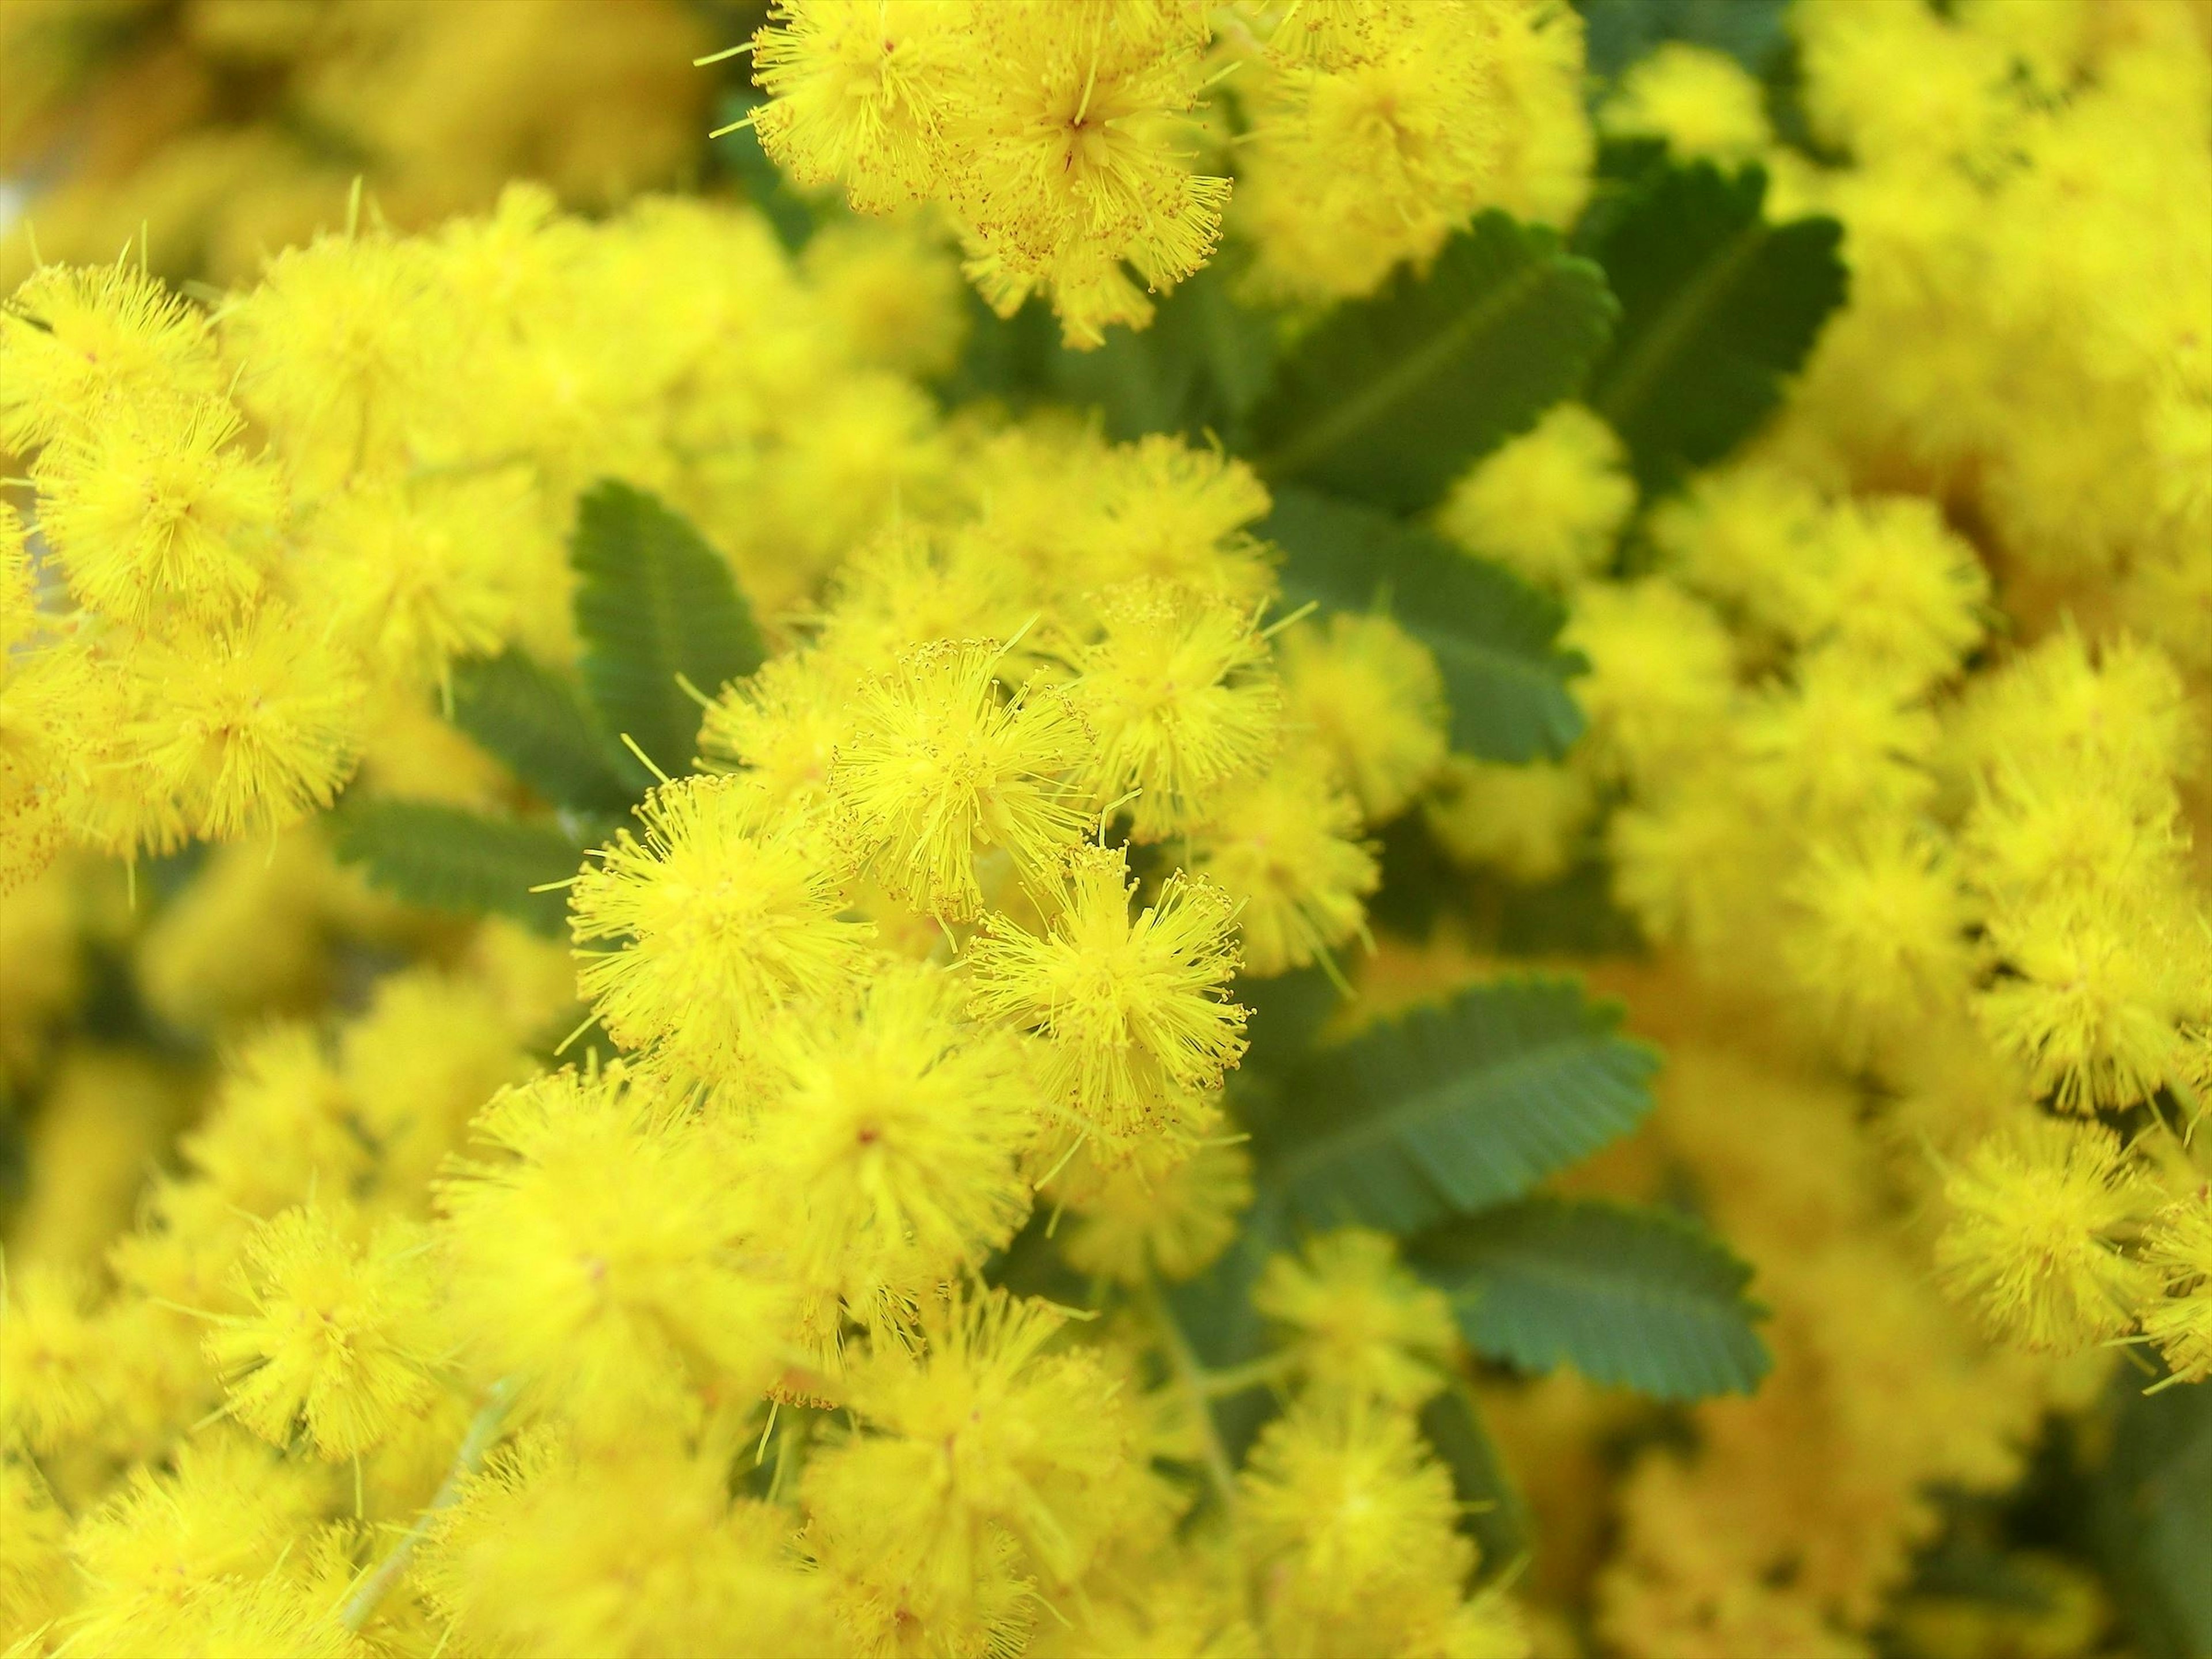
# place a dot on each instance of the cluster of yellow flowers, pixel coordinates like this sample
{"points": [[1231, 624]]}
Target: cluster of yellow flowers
{"points": [[209, 133], [1898, 728], [878, 979], [1066, 139], [808, 1260]]}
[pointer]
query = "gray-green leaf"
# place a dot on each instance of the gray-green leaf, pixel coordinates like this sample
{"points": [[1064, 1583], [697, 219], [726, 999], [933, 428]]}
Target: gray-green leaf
{"points": [[1717, 305], [656, 606], [536, 722], [446, 857], [1493, 635], [1451, 1109], [1630, 1296], [1390, 398]]}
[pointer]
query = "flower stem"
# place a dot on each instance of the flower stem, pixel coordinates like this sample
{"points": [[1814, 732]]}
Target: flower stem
{"points": [[1198, 1388], [483, 1430]]}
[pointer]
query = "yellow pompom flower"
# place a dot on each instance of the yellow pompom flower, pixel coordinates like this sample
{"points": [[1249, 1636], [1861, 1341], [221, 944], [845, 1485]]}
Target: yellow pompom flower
{"points": [[1844, 740], [1364, 1326], [1357, 1525], [155, 514], [1134, 1011], [2030, 1241], [1547, 503], [857, 94], [49, 1348], [18, 597], [605, 1263], [1661, 676], [934, 764], [2177, 1246], [722, 924], [1527, 822], [2092, 996], [1884, 936], [413, 578], [344, 351], [1168, 1212], [1162, 509], [1077, 156], [165, 1544], [781, 724], [341, 1341], [1377, 133], [80, 344], [249, 726], [1700, 101], [1895, 587], [37, 1580], [1371, 695], [888, 1140], [635, 1551], [1283, 844], [1179, 697], [987, 1430]]}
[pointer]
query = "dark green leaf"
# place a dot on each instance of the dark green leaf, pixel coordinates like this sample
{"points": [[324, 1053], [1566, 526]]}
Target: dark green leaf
{"points": [[1286, 1013], [1621, 31], [1717, 305], [1494, 1513], [1493, 635], [1389, 399], [1216, 1317], [536, 722], [1450, 1109], [2152, 1516], [1637, 1296], [655, 603], [1197, 370], [447, 859]]}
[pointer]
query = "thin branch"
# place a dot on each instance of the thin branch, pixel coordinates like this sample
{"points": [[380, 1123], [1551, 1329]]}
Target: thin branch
{"points": [[484, 1430]]}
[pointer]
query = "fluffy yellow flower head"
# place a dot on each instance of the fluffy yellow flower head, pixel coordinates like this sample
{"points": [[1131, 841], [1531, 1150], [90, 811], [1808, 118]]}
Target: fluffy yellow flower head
{"points": [[984, 1432], [340, 1342], [603, 1257], [1283, 844], [935, 763], [1549, 502], [1365, 1327], [720, 923], [79, 343], [888, 1142], [1371, 696], [1180, 698], [635, 1551], [1700, 101], [1133, 1010], [1169, 1211], [1358, 1522], [155, 514], [2030, 1240]]}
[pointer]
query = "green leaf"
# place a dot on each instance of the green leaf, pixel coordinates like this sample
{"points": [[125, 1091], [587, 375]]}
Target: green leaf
{"points": [[2151, 1517], [1717, 305], [655, 603], [1629, 1295], [1197, 370], [1493, 1511], [1389, 399], [448, 858], [1451, 1109], [536, 722], [1493, 635], [1619, 32]]}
